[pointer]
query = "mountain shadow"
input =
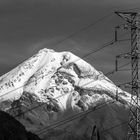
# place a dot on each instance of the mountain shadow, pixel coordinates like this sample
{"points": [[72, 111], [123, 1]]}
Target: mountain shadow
{"points": [[11, 129]]}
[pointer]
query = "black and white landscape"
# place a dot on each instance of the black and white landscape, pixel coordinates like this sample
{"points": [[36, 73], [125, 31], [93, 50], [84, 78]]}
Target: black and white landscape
{"points": [[63, 75]]}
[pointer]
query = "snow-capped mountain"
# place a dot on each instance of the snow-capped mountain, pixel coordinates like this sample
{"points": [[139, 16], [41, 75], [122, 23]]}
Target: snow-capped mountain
{"points": [[61, 84]]}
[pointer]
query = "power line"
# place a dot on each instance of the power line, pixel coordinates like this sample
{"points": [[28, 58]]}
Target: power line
{"points": [[112, 72], [115, 126], [105, 130], [73, 117], [108, 129], [78, 115], [40, 105], [109, 43], [126, 69], [89, 26], [84, 28]]}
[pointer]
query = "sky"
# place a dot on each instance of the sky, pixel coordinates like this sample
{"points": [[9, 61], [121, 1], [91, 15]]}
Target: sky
{"points": [[30, 25]]}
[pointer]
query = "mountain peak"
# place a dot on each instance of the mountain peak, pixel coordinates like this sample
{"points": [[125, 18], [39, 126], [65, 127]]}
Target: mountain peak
{"points": [[50, 85], [47, 70]]}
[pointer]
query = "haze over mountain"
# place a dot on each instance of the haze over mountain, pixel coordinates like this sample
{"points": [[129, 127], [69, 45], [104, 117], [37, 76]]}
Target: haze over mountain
{"points": [[53, 86]]}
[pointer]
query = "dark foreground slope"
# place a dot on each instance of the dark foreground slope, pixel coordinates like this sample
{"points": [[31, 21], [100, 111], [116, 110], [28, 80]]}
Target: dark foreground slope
{"points": [[11, 129], [107, 123]]}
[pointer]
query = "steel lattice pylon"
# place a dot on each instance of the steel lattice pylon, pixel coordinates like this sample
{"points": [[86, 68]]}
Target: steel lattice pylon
{"points": [[133, 21]]}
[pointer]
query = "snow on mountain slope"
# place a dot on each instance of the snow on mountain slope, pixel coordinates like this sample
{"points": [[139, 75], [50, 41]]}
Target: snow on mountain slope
{"points": [[35, 75], [60, 83], [20, 75]]}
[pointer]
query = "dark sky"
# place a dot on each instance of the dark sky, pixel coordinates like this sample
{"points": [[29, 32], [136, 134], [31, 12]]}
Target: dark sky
{"points": [[27, 26]]}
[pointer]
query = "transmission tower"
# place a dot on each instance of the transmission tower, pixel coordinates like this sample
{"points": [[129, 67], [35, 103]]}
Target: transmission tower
{"points": [[132, 20]]}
